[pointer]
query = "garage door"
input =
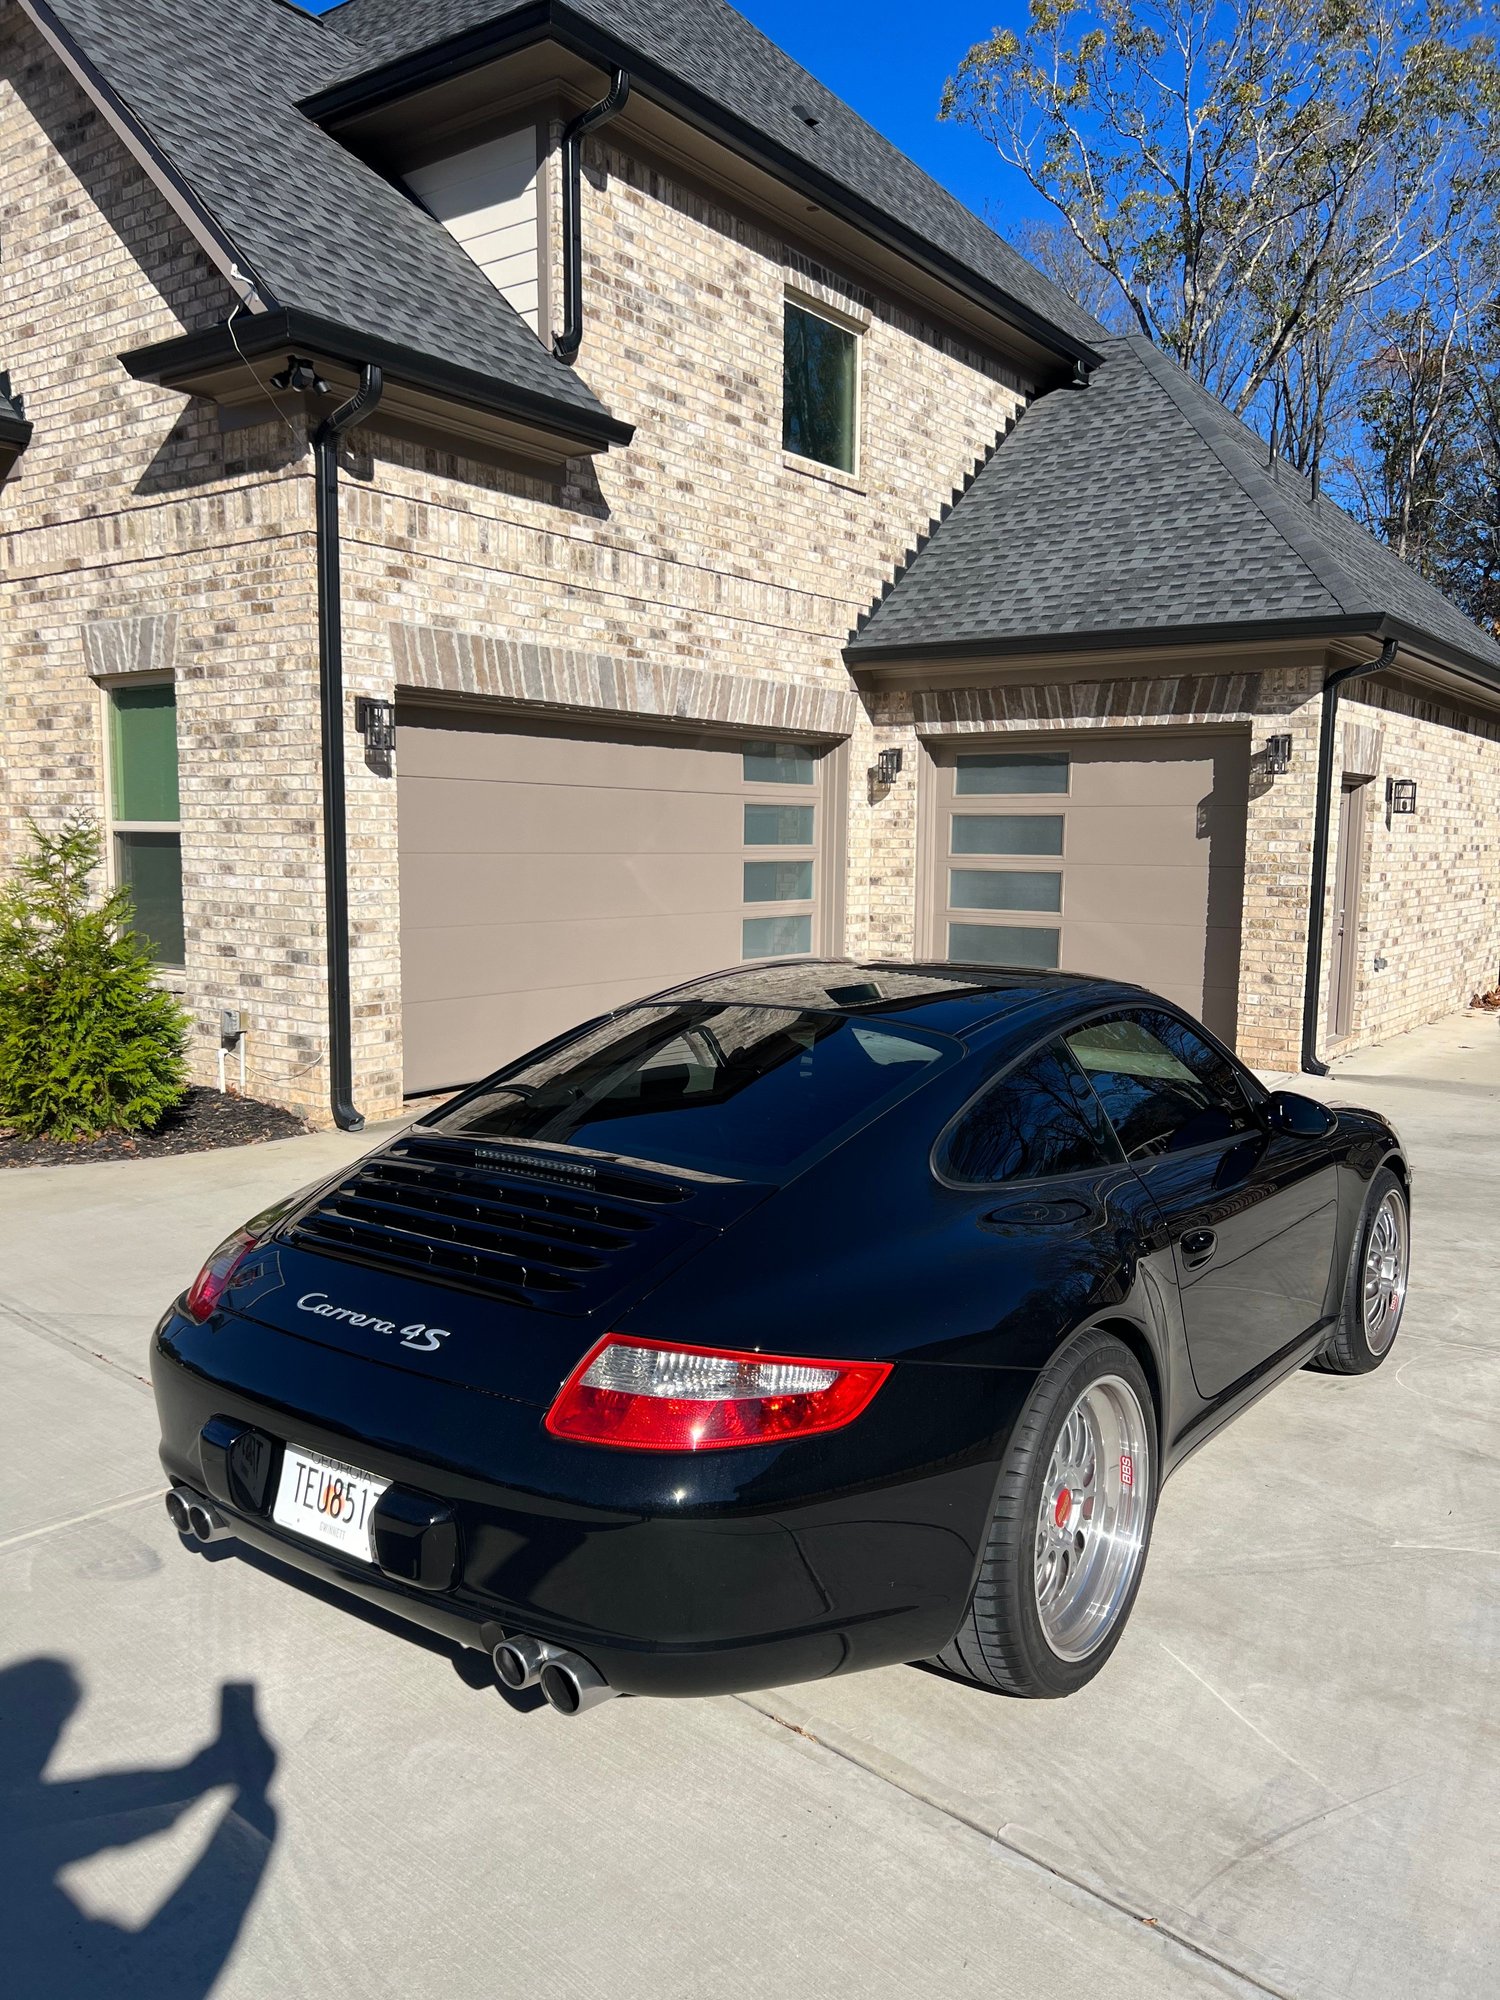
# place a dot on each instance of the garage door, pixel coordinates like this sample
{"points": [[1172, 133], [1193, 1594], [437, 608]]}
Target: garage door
{"points": [[1119, 857], [552, 871]]}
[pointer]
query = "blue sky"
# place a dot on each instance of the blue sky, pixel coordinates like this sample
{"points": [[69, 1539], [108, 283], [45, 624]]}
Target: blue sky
{"points": [[889, 60]]}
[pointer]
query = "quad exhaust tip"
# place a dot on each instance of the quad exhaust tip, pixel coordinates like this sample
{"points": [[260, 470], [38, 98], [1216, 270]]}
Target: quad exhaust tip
{"points": [[195, 1517], [570, 1683]]}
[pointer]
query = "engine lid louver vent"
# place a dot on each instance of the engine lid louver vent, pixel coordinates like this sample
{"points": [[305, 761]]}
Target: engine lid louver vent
{"points": [[524, 1226]]}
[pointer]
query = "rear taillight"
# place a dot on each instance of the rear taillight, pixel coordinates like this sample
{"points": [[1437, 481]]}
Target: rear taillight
{"points": [[214, 1279], [644, 1395]]}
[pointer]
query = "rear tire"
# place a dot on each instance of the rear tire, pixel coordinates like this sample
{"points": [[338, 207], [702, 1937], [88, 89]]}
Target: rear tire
{"points": [[1374, 1284], [1070, 1529]]}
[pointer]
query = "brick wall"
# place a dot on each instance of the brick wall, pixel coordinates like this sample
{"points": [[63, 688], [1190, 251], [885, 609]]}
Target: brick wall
{"points": [[136, 537], [696, 562], [1431, 903], [700, 561]]}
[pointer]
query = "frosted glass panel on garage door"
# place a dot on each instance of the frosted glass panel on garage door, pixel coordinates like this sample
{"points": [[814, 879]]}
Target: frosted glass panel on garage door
{"points": [[551, 872], [1136, 840]]}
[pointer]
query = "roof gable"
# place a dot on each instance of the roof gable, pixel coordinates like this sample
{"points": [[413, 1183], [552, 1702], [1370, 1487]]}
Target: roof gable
{"points": [[1139, 506], [306, 222], [713, 51]]}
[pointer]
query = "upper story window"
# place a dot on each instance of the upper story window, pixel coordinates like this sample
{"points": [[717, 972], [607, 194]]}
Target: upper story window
{"points": [[820, 389], [486, 198], [144, 832]]}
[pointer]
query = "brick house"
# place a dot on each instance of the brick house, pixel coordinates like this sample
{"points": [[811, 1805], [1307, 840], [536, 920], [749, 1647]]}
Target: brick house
{"points": [[660, 479]]}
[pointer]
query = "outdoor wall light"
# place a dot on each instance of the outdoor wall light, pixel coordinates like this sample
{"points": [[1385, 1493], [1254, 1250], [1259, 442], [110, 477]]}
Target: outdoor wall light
{"points": [[888, 766], [376, 722], [1400, 797], [1278, 755]]}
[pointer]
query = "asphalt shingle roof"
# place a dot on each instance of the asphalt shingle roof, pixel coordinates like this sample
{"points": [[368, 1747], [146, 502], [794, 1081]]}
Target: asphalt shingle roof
{"points": [[715, 51], [216, 86], [1140, 505]]}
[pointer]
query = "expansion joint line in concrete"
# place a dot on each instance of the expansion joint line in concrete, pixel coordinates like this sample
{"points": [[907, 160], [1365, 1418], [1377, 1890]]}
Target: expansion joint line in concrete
{"points": [[837, 1747]]}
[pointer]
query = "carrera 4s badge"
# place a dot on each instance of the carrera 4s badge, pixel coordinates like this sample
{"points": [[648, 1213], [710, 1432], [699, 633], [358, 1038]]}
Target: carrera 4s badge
{"points": [[421, 1338]]}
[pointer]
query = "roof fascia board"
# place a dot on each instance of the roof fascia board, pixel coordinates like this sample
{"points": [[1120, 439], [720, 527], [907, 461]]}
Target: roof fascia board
{"points": [[220, 248], [15, 432], [169, 361], [918, 661], [938, 653], [1451, 661], [550, 19]]}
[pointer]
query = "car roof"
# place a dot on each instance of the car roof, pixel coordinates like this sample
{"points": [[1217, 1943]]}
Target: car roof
{"points": [[950, 999]]}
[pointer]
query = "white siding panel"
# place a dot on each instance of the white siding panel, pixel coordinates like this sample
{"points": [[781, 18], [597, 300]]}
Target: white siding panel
{"points": [[486, 198]]}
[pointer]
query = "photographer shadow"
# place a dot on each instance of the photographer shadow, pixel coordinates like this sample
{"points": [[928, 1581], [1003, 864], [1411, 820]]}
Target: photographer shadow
{"points": [[55, 1950]]}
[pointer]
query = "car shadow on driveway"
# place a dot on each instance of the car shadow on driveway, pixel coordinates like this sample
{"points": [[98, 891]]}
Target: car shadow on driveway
{"points": [[474, 1669], [54, 1948]]}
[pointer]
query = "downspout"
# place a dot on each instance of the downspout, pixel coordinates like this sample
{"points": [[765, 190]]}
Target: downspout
{"points": [[325, 443], [565, 345], [1322, 822]]}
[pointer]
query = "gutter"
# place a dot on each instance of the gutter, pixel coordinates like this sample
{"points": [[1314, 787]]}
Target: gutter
{"points": [[1322, 821], [565, 345], [169, 362], [549, 20], [325, 443], [939, 653]]}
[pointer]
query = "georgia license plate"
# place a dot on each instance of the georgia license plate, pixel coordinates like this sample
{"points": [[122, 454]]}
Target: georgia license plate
{"points": [[327, 1501]]}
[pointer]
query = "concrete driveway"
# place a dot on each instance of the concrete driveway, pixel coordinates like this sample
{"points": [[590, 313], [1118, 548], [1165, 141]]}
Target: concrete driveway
{"points": [[1287, 1781]]}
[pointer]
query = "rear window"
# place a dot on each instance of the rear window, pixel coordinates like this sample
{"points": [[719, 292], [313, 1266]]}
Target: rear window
{"points": [[1040, 1120], [742, 1091]]}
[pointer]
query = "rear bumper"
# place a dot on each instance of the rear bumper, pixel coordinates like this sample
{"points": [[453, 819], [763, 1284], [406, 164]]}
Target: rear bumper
{"points": [[675, 1575]]}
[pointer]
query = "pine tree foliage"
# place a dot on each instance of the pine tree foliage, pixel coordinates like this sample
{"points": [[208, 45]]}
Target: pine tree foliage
{"points": [[88, 1042]]}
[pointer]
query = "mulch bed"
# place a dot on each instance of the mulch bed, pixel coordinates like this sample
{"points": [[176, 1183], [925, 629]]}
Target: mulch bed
{"points": [[204, 1121]]}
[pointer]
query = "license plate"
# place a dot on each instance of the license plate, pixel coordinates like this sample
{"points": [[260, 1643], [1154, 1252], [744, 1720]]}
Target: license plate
{"points": [[326, 1501]]}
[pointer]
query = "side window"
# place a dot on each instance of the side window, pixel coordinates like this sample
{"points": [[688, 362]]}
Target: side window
{"points": [[1040, 1119], [143, 812], [820, 389], [1162, 1087]]}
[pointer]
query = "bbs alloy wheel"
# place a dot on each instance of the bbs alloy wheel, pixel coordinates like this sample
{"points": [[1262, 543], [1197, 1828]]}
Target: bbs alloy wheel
{"points": [[1070, 1529]]}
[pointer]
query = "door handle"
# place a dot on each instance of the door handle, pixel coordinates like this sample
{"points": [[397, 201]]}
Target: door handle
{"points": [[1198, 1246]]}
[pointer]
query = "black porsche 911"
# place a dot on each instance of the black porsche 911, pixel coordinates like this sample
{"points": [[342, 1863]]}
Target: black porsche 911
{"points": [[805, 1318]]}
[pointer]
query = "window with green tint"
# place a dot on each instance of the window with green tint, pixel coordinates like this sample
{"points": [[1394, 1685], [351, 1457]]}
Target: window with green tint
{"points": [[775, 937], [820, 363], [778, 764], [1004, 889], [1003, 771], [778, 881], [1003, 944], [149, 865], [144, 812], [1015, 833], [778, 826], [143, 766]]}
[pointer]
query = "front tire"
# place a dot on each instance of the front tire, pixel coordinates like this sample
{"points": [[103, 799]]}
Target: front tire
{"points": [[1070, 1529], [1374, 1285]]}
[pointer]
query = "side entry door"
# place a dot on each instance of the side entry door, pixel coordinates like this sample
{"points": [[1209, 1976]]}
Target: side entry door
{"points": [[1251, 1212]]}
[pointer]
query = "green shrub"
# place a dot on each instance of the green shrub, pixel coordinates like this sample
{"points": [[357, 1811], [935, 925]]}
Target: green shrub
{"points": [[88, 1042]]}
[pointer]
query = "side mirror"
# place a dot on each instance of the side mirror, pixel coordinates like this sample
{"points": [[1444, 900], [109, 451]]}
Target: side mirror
{"points": [[1304, 1117]]}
